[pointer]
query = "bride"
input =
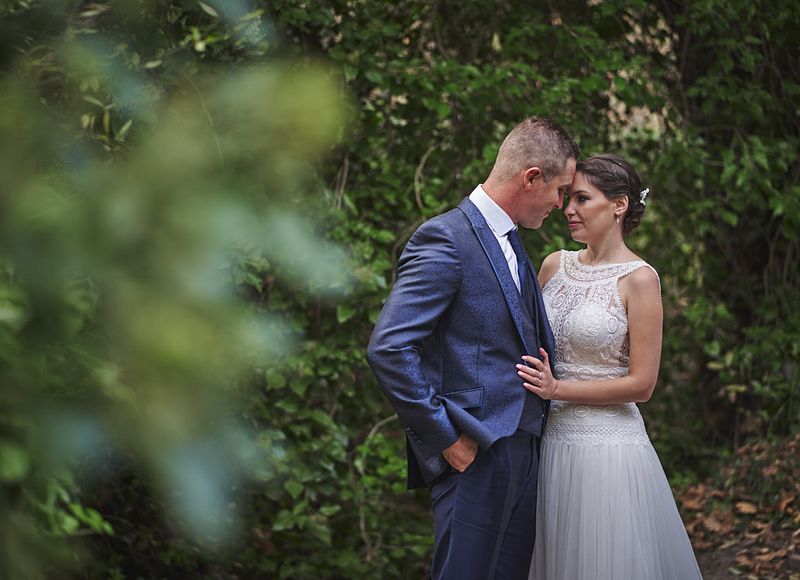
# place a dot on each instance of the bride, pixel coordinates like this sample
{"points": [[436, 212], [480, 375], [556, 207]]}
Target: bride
{"points": [[605, 509]]}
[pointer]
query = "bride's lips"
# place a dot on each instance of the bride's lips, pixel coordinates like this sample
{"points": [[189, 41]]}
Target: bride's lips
{"points": [[573, 225]]}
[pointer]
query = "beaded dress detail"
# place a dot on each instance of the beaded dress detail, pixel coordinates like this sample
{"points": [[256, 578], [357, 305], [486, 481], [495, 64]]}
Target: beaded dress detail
{"points": [[605, 508]]}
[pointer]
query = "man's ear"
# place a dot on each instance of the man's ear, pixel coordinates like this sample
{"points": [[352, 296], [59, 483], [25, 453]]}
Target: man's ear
{"points": [[531, 175]]}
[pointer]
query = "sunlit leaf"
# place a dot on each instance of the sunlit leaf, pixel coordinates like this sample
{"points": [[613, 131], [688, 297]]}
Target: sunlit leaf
{"points": [[208, 9], [14, 462]]}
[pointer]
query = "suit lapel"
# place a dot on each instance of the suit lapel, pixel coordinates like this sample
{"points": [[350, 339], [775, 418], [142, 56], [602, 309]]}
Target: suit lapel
{"points": [[540, 316], [497, 259]]}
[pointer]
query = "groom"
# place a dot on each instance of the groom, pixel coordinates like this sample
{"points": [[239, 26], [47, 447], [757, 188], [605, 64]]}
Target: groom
{"points": [[464, 309]]}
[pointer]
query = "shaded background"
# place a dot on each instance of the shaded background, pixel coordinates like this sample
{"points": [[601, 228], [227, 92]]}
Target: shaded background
{"points": [[201, 208]]}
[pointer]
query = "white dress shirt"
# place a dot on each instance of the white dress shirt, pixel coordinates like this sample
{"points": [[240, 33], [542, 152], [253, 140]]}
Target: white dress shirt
{"points": [[500, 224]]}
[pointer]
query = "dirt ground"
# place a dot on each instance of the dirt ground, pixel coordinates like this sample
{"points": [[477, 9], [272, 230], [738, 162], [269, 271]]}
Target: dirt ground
{"points": [[765, 556]]}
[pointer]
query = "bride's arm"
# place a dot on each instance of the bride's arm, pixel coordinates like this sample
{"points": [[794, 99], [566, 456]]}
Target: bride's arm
{"points": [[641, 292]]}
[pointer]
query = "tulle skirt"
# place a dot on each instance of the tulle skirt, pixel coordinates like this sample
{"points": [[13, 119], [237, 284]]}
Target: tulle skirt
{"points": [[605, 509]]}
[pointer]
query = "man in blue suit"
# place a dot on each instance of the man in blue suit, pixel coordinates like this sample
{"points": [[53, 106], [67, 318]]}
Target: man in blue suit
{"points": [[464, 309]]}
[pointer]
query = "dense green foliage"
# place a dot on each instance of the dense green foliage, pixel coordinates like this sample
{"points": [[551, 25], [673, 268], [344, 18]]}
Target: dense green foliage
{"points": [[202, 208]]}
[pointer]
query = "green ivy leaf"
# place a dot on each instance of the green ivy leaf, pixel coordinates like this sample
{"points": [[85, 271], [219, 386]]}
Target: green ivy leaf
{"points": [[294, 488], [208, 9], [329, 510], [14, 462], [344, 312]]}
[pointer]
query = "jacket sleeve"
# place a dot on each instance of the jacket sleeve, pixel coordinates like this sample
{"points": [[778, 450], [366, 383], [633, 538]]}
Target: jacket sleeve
{"points": [[428, 277]]}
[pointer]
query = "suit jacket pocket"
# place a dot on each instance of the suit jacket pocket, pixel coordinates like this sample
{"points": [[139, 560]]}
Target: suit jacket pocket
{"points": [[466, 399]]}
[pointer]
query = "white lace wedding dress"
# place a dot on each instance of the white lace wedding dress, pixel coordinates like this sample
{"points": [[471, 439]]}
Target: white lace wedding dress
{"points": [[605, 509]]}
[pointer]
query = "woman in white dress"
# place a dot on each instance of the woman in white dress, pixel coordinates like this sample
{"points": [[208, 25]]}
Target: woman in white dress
{"points": [[605, 509]]}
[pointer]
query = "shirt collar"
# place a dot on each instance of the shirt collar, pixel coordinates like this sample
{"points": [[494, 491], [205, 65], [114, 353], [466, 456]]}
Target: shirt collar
{"points": [[494, 215]]}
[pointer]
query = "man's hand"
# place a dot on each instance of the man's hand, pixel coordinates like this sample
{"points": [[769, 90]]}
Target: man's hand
{"points": [[461, 454]]}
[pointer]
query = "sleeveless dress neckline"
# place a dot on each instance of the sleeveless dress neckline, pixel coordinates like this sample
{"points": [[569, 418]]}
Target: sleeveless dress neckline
{"points": [[577, 270], [578, 261]]}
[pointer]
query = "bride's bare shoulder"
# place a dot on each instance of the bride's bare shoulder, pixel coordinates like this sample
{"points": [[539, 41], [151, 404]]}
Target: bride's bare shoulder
{"points": [[549, 267], [643, 281]]}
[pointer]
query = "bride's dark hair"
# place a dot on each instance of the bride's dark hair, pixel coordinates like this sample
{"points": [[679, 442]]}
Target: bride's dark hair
{"points": [[615, 177]]}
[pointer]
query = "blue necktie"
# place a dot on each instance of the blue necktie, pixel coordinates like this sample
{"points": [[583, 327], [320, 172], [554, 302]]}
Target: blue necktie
{"points": [[522, 269]]}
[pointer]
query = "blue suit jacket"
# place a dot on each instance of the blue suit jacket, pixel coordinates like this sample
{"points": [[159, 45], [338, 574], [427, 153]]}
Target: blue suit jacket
{"points": [[446, 344]]}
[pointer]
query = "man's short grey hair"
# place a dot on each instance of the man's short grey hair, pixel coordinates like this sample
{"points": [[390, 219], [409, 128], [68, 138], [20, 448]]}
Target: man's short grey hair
{"points": [[535, 142]]}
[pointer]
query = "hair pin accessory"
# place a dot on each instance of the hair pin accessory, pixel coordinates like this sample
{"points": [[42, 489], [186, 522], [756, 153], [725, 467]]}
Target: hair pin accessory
{"points": [[643, 195]]}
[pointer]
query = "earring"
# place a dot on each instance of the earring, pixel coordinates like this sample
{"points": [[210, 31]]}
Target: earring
{"points": [[617, 216]]}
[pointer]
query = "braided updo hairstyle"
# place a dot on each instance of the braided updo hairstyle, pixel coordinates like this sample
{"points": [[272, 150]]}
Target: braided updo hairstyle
{"points": [[615, 177]]}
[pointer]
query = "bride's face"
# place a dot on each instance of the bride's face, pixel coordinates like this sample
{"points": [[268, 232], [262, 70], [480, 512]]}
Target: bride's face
{"points": [[590, 214]]}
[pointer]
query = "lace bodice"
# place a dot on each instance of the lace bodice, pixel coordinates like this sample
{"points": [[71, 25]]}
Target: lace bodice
{"points": [[588, 318], [590, 326]]}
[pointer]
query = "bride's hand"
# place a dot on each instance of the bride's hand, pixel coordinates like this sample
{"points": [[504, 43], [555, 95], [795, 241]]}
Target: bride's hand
{"points": [[538, 377]]}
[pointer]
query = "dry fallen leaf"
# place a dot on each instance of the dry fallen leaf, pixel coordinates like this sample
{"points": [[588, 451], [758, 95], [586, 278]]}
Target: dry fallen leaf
{"points": [[694, 498], [746, 507], [744, 560], [786, 498], [702, 545], [714, 525]]}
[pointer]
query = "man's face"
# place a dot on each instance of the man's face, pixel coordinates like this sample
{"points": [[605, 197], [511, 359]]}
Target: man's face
{"points": [[541, 197]]}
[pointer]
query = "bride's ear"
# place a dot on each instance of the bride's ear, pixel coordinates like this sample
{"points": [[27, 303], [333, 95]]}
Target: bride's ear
{"points": [[621, 205]]}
